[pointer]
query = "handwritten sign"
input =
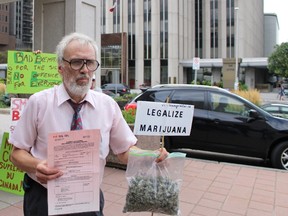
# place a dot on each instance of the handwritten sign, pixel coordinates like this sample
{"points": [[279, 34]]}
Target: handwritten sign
{"points": [[16, 109], [163, 119], [28, 72], [11, 177]]}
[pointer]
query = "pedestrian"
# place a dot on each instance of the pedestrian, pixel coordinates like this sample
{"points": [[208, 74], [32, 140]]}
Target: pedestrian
{"points": [[281, 92], [49, 111], [93, 85]]}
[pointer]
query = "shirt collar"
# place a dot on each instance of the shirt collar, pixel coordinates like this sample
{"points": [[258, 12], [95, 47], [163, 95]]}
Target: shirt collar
{"points": [[63, 96]]}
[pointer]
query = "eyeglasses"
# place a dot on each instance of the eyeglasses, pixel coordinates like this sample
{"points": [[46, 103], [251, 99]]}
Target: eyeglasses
{"points": [[77, 64]]}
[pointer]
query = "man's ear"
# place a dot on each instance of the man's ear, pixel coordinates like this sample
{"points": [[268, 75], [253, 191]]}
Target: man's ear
{"points": [[60, 68]]}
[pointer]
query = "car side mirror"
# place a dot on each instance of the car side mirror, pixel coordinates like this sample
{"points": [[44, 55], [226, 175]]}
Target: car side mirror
{"points": [[253, 114]]}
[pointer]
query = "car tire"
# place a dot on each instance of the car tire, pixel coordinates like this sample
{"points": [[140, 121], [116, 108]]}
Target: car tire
{"points": [[279, 156]]}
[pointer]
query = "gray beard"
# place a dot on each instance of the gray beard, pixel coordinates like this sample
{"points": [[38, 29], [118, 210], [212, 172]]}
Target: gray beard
{"points": [[78, 90]]}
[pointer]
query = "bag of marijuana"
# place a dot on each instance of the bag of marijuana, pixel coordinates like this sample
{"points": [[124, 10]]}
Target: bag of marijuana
{"points": [[153, 187]]}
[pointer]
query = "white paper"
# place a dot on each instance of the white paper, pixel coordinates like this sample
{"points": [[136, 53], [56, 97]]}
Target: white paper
{"points": [[166, 119], [76, 154]]}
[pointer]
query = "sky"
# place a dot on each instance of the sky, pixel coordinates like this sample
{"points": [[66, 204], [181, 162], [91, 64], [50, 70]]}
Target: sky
{"points": [[279, 7]]}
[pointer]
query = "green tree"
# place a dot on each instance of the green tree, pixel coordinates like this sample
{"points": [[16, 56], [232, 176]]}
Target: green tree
{"points": [[278, 60]]}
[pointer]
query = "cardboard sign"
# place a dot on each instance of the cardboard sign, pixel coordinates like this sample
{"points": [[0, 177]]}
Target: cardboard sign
{"points": [[28, 72], [163, 119], [11, 177], [17, 107]]}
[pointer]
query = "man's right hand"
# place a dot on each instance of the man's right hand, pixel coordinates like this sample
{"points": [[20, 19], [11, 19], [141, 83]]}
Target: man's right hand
{"points": [[44, 173]]}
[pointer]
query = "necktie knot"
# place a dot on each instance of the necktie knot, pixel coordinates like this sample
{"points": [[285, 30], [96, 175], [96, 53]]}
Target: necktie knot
{"points": [[75, 106], [76, 123]]}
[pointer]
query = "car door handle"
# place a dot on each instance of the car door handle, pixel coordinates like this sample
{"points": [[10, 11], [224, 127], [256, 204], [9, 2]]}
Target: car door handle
{"points": [[217, 121]]}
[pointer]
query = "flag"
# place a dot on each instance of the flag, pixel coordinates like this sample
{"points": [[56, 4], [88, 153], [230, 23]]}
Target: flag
{"points": [[113, 7]]}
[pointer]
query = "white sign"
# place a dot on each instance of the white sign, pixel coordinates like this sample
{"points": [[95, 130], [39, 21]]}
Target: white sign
{"points": [[196, 63], [17, 107], [154, 118]]}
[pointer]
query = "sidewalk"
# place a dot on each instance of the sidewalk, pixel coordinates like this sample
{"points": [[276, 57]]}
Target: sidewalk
{"points": [[209, 189]]}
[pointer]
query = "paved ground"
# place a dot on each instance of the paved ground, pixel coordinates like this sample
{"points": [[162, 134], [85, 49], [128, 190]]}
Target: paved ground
{"points": [[208, 189]]}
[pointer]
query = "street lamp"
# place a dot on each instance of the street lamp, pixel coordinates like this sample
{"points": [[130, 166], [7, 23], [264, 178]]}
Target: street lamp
{"points": [[236, 45]]}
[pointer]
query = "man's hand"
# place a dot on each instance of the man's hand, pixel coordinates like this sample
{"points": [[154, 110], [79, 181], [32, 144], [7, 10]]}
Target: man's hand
{"points": [[163, 154], [44, 173]]}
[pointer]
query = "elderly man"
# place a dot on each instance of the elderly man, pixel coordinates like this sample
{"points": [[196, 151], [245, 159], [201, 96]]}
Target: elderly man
{"points": [[51, 110]]}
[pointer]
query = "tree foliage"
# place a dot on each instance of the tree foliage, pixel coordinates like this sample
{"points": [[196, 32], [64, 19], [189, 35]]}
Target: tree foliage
{"points": [[3, 57], [278, 60]]}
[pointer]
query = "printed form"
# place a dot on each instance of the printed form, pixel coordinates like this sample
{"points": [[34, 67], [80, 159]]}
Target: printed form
{"points": [[76, 154]]}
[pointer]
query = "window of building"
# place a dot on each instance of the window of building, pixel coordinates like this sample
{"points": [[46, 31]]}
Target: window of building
{"points": [[111, 57], [147, 72], [164, 29], [230, 27], [214, 27], [164, 71], [131, 29], [198, 27], [147, 29]]}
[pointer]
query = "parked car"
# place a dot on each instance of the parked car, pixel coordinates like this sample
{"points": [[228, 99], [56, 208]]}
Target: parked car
{"points": [[276, 109], [120, 88], [111, 94], [239, 128]]}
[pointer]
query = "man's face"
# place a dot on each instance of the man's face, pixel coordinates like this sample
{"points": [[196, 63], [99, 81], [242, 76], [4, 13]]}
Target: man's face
{"points": [[77, 82]]}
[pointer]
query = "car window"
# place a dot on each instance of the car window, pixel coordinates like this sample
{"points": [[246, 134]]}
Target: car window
{"points": [[284, 110], [227, 104], [155, 96], [187, 96], [271, 109]]}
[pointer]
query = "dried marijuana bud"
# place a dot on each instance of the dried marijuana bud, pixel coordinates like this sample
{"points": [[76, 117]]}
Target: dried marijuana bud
{"points": [[154, 194]]}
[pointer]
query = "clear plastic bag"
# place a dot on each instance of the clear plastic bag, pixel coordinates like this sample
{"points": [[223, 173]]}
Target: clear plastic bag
{"points": [[154, 187]]}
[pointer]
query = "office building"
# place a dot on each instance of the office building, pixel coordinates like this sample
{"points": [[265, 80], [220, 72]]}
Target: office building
{"points": [[16, 20], [163, 35]]}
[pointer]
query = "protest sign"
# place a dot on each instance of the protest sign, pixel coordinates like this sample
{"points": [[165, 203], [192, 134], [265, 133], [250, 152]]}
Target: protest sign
{"points": [[154, 118], [29, 72], [17, 106], [11, 177]]}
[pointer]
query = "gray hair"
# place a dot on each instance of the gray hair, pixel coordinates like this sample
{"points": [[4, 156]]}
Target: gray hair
{"points": [[81, 38]]}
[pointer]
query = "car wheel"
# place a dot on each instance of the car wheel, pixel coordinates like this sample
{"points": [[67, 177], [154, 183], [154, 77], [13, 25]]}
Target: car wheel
{"points": [[279, 156]]}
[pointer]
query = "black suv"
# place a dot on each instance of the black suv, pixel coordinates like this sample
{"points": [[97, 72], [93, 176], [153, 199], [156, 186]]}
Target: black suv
{"points": [[224, 122], [120, 88]]}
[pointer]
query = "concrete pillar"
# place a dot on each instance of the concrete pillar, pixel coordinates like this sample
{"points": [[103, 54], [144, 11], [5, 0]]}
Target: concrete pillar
{"points": [[222, 30], [206, 32], [173, 41], [155, 39]]}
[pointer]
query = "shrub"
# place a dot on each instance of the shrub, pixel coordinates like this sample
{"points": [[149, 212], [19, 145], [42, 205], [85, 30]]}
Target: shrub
{"points": [[4, 101], [251, 95], [123, 100], [129, 115]]}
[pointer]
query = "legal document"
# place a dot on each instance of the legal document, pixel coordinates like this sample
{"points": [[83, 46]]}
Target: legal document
{"points": [[76, 154]]}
